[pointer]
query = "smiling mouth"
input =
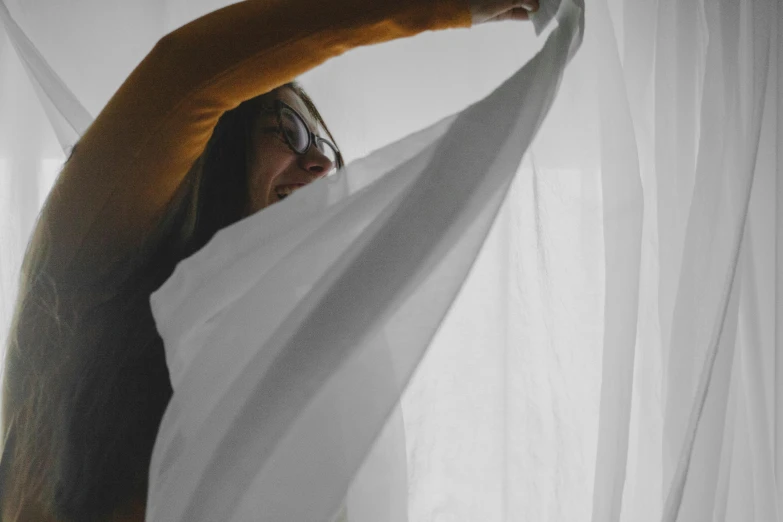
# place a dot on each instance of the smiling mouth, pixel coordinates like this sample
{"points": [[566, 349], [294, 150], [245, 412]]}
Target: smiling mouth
{"points": [[283, 191]]}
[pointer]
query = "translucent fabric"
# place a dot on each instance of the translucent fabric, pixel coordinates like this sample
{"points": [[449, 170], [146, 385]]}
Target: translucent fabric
{"points": [[600, 331], [292, 335]]}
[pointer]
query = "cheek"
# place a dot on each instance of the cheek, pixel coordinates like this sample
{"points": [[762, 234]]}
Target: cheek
{"points": [[262, 172]]}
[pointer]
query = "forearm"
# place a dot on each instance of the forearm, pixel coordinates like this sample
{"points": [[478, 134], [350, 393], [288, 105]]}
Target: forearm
{"points": [[138, 150]]}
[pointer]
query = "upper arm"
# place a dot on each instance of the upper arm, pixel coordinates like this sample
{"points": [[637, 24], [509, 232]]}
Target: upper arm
{"points": [[136, 153]]}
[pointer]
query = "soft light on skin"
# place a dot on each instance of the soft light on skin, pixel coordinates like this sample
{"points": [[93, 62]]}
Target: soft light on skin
{"points": [[271, 163]]}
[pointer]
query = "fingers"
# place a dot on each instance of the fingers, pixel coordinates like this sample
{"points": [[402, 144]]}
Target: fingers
{"points": [[517, 13], [529, 5], [499, 10], [514, 14]]}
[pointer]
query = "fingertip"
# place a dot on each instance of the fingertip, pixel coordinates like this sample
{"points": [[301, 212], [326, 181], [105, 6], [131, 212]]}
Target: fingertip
{"points": [[531, 5]]}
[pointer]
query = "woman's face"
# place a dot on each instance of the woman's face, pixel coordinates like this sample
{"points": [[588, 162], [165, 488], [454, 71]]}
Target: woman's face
{"points": [[273, 167]]}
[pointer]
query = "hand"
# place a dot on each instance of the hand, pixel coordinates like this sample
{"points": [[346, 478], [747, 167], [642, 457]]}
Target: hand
{"points": [[499, 10]]}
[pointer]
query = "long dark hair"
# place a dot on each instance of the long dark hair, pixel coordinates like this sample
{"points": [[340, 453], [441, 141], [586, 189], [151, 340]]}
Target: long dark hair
{"points": [[86, 382]]}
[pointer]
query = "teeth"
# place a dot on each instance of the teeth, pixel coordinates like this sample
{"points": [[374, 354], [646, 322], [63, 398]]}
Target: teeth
{"points": [[282, 192]]}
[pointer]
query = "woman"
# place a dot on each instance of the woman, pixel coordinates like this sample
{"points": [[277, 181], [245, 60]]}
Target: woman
{"points": [[207, 130]]}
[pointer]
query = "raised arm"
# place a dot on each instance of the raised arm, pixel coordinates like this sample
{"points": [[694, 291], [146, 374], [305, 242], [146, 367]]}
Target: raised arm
{"points": [[131, 160]]}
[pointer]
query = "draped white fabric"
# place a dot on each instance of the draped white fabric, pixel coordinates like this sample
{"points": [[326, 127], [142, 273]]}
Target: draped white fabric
{"points": [[611, 354], [291, 336]]}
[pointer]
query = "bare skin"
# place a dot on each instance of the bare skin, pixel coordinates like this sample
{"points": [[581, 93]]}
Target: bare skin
{"points": [[272, 164], [500, 10]]}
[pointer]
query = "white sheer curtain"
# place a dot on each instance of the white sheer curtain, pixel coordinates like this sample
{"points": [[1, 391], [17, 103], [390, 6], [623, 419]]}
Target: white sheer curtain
{"points": [[613, 351]]}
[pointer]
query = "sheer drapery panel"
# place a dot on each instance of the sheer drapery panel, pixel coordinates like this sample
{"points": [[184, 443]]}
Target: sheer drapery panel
{"points": [[612, 354]]}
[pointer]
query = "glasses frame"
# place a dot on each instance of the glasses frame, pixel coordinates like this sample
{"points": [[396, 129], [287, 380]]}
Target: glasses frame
{"points": [[312, 138]]}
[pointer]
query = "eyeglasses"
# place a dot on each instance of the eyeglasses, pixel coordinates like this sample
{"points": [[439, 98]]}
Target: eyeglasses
{"points": [[298, 136]]}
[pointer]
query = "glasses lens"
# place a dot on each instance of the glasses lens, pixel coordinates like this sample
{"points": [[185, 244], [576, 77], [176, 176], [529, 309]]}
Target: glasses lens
{"points": [[295, 129], [298, 136], [328, 150]]}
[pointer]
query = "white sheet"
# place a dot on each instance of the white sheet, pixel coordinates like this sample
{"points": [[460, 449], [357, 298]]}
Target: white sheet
{"points": [[292, 335], [566, 380]]}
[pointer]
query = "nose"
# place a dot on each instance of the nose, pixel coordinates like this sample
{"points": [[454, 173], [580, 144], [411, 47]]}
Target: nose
{"points": [[316, 163]]}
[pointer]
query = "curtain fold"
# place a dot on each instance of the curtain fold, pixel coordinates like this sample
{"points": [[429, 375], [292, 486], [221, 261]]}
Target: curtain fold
{"points": [[611, 351], [68, 117], [275, 414]]}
